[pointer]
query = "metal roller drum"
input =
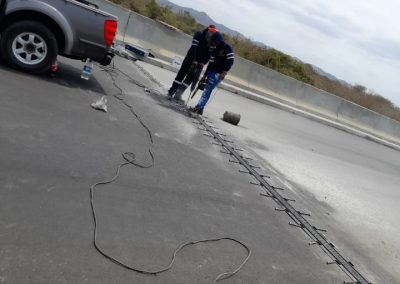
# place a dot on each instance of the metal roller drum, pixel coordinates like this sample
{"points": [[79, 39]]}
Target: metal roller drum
{"points": [[232, 118]]}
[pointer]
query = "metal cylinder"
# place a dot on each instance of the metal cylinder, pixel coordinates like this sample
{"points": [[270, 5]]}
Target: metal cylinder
{"points": [[232, 118]]}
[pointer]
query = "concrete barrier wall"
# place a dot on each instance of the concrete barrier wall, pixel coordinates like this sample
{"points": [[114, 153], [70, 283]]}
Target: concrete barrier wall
{"points": [[383, 126], [161, 39], [166, 43]]}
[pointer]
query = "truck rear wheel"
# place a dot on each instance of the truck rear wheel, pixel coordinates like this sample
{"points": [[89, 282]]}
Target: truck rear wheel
{"points": [[29, 46]]}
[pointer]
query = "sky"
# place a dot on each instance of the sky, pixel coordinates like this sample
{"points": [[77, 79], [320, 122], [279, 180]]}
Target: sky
{"points": [[355, 40]]}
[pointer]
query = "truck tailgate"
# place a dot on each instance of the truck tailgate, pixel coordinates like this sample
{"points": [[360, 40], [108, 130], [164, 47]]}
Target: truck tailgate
{"points": [[88, 24]]}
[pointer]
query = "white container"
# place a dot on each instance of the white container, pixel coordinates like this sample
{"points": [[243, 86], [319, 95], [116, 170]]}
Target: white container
{"points": [[87, 69]]}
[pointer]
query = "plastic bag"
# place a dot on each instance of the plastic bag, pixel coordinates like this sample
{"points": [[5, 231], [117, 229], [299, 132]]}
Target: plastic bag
{"points": [[100, 104]]}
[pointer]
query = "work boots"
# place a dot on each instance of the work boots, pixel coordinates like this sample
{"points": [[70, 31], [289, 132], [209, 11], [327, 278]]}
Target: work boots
{"points": [[196, 110], [178, 95]]}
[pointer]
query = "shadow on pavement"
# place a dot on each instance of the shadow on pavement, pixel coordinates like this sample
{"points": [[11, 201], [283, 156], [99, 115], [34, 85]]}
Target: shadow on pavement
{"points": [[70, 76], [67, 76]]}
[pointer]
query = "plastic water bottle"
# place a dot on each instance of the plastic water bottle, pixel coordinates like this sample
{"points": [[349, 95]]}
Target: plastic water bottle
{"points": [[87, 69]]}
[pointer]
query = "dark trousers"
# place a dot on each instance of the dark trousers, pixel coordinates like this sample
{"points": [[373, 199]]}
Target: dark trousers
{"points": [[184, 77]]}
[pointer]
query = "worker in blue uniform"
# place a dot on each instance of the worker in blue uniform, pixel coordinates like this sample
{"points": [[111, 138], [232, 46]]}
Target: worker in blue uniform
{"points": [[197, 56], [221, 62]]}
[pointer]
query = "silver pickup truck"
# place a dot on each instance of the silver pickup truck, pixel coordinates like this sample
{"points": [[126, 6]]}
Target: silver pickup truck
{"points": [[34, 32]]}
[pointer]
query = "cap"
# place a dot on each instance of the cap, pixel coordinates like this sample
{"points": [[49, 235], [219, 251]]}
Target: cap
{"points": [[212, 29], [217, 37]]}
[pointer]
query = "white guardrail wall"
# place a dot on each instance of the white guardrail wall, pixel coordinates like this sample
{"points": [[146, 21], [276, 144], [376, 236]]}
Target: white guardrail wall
{"points": [[166, 43]]}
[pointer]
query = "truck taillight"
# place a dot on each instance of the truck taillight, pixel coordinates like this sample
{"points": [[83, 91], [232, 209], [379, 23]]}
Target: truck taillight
{"points": [[110, 30]]}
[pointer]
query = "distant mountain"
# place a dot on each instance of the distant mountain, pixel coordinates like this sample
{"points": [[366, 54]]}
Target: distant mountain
{"points": [[201, 17]]}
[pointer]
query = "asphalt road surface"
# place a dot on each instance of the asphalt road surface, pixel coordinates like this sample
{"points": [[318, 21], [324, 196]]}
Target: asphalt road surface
{"points": [[54, 146]]}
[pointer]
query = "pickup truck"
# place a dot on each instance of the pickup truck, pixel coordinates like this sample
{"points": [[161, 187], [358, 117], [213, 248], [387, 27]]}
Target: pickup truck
{"points": [[34, 32]]}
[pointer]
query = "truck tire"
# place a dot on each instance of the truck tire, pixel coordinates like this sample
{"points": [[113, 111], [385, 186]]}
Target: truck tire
{"points": [[29, 46]]}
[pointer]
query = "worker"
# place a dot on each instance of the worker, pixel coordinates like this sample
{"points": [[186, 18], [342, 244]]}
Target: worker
{"points": [[221, 62], [197, 56]]}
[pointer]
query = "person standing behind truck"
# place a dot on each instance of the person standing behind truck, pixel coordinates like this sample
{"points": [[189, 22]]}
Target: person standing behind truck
{"points": [[197, 56], [221, 62]]}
